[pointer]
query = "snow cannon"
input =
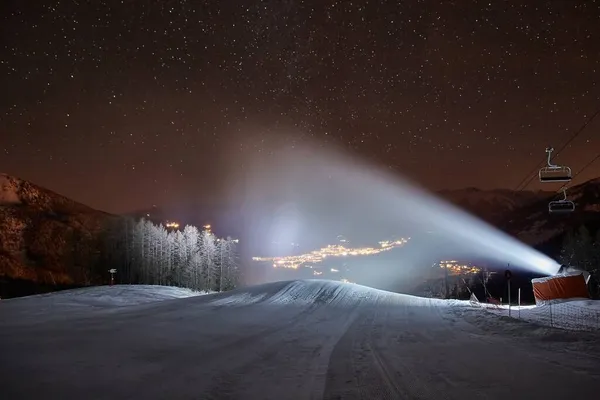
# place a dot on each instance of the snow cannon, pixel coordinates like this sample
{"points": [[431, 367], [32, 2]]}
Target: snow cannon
{"points": [[569, 283]]}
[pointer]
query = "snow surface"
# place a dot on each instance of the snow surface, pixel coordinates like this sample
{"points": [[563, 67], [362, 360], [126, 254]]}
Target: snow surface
{"points": [[576, 315], [84, 300], [292, 340]]}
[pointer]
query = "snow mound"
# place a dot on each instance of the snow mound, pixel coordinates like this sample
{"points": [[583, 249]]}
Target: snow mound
{"points": [[85, 302], [101, 296], [239, 299], [322, 292]]}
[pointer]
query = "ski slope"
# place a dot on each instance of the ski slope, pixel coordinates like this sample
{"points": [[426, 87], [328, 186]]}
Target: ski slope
{"points": [[291, 340], [69, 303]]}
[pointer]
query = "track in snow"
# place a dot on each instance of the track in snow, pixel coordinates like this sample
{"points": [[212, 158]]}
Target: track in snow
{"points": [[289, 340]]}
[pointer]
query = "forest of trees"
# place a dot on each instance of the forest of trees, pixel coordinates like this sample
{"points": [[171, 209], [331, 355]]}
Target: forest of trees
{"points": [[145, 253], [581, 250]]}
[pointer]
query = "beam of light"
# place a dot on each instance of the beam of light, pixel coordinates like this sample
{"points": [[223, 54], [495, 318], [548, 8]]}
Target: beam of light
{"points": [[464, 229], [333, 193]]}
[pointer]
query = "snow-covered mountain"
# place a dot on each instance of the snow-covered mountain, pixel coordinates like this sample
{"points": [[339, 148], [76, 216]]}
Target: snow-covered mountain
{"points": [[46, 238]]}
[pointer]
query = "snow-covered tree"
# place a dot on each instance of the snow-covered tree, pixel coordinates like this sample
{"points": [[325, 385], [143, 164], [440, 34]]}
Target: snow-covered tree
{"points": [[143, 252], [191, 264], [208, 257], [230, 274], [179, 258]]}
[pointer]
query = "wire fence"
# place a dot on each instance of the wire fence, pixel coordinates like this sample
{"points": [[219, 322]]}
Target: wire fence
{"points": [[574, 315]]}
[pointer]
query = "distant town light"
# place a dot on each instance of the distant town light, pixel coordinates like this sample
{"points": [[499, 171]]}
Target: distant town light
{"points": [[318, 256], [454, 268]]}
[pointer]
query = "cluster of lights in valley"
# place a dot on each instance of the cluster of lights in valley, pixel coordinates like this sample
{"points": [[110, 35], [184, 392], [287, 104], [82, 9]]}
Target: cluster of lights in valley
{"points": [[308, 260], [317, 256], [455, 268]]}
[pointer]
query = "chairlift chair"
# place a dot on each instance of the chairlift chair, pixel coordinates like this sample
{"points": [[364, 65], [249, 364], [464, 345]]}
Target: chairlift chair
{"points": [[561, 206], [554, 173]]}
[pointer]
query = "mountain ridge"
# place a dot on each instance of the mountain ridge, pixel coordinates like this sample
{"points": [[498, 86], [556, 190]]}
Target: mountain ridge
{"points": [[46, 237]]}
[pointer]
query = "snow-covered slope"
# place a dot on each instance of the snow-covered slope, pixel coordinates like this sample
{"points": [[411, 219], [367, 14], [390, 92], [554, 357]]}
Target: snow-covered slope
{"points": [[288, 340], [314, 292], [44, 307], [574, 315], [105, 296]]}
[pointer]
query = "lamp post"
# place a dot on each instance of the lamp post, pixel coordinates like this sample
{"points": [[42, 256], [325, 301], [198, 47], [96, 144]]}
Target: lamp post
{"points": [[508, 275], [112, 271]]}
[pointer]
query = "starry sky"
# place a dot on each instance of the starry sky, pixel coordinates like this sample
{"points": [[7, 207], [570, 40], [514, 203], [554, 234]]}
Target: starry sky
{"points": [[125, 104]]}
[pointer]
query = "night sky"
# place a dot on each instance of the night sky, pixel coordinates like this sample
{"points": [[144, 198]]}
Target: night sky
{"points": [[125, 104]]}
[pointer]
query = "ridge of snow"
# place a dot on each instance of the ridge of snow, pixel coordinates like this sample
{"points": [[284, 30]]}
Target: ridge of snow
{"points": [[104, 296], [311, 292], [239, 299]]}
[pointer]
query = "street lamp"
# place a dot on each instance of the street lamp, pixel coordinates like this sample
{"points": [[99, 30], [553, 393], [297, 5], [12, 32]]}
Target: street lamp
{"points": [[112, 271]]}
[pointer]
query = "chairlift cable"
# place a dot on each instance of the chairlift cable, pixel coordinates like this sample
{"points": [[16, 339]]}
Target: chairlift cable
{"points": [[564, 205], [593, 160], [532, 174]]}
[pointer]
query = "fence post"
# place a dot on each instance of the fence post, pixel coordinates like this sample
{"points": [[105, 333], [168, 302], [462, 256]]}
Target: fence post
{"points": [[519, 302], [508, 275], [509, 298]]}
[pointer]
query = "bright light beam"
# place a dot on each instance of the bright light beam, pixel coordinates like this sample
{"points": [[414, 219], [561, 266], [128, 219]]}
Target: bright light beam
{"points": [[335, 192], [483, 238], [409, 202]]}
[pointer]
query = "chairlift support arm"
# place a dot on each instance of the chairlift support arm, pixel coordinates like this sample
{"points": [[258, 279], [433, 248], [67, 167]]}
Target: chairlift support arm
{"points": [[549, 150]]}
